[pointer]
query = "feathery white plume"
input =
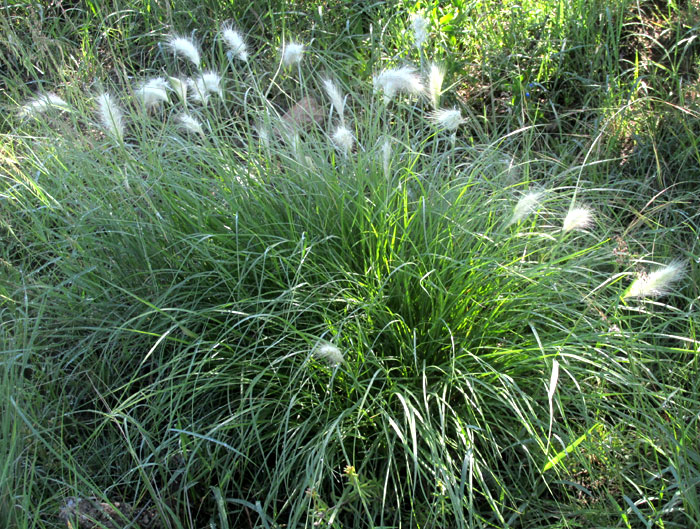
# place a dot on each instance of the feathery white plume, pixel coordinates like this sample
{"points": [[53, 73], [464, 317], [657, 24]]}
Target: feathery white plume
{"points": [[179, 86], [394, 80], [152, 92], [447, 118], [190, 124], [419, 26], [577, 219], [292, 53], [527, 204], [186, 47], [42, 103], [207, 83], [111, 116], [656, 284], [343, 139], [234, 40], [329, 353], [436, 75], [336, 97]]}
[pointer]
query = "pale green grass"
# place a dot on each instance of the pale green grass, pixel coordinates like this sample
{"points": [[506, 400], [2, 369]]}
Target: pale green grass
{"points": [[163, 299]]}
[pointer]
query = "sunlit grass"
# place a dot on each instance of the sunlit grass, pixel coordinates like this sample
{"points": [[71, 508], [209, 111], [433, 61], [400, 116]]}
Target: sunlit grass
{"points": [[263, 324]]}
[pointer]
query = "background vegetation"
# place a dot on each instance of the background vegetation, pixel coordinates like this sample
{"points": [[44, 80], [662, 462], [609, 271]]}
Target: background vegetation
{"points": [[163, 299]]}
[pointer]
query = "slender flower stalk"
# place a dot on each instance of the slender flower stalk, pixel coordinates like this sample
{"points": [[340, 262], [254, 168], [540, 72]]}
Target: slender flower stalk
{"points": [[386, 157], [42, 103], [656, 284], [336, 97], [292, 53], [526, 205], [328, 353], [111, 116], [394, 80], [191, 124], [577, 219], [436, 75], [153, 92], [185, 47], [447, 119], [235, 42]]}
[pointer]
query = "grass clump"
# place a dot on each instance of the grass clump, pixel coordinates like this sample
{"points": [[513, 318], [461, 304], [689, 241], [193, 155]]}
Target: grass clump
{"points": [[260, 292]]}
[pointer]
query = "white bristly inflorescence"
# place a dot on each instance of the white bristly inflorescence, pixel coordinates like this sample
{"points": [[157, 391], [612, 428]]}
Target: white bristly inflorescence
{"points": [[578, 218], [185, 47], [292, 53], [526, 205], [394, 80], [657, 283], [111, 116], [152, 93], [234, 41]]}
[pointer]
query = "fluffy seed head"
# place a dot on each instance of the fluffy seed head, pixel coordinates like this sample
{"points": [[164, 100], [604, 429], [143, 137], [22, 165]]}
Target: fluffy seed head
{"points": [[656, 284], [436, 75], [179, 86], [42, 103], [577, 219], [153, 92], [206, 84], [394, 80], [447, 118], [189, 123], [329, 353], [336, 97], [184, 47], [111, 116], [343, 139], [419, 26], [292, 53], [234, 41], [526, 205]]}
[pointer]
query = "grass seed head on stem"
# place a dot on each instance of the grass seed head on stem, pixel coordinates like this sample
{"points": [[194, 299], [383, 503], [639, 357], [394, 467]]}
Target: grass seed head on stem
{"points": [[328, 353], [189, 123], [336, 97], [578, 218], [436, 75], [42, 103], [292, 53], [153, 92], [343, 139], [206, 84], [419, 26], [185, 47], [111, 116], [394, 80], [234, 41], [447, 119], [527, 204], [657, 283]]}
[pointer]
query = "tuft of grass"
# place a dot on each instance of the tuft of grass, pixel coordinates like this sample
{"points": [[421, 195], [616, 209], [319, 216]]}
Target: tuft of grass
{"points": [[250, 327]]}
